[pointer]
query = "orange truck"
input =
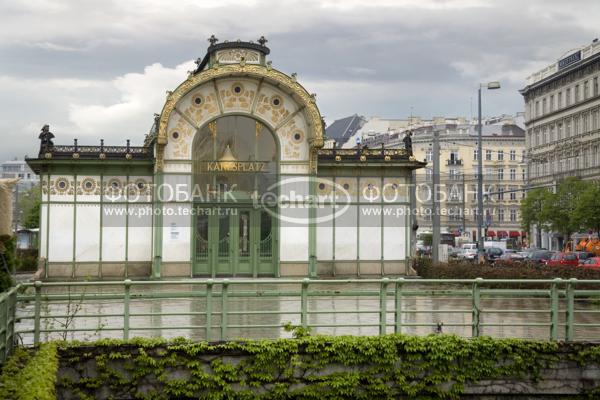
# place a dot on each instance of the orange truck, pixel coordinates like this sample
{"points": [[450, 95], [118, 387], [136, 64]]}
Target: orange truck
{"points": [[589, 245]]}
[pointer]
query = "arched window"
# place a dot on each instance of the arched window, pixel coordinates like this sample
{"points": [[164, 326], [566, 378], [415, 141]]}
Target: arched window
{"points": [[234, 156]]}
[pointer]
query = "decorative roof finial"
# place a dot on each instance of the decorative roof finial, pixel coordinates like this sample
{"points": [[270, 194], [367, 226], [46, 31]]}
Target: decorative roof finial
{"points": [[262, 41], [212, 40]]}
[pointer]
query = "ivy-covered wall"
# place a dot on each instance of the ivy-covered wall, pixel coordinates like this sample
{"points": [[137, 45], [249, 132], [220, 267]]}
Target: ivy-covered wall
{"points": [[307, 367]]}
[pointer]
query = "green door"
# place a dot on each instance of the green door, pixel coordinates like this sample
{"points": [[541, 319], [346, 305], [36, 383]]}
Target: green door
{"points": [[235, 241]]}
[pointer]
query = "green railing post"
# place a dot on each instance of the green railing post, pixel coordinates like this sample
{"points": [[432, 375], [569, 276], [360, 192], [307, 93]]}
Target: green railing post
{"points": [[4, 326], [11, 305], [398, 305], [570, 317], [475, 331], [554, 295], [37, 308], [383, 306], [209, 295], [224, 290], [127, 283], [304, 303]]}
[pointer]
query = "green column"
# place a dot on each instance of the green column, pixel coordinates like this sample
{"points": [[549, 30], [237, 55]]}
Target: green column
{"points": [[312, 230], [158, 226]]}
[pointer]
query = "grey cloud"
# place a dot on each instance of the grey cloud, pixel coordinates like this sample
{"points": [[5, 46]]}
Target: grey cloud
{"points": [[369, 59]]}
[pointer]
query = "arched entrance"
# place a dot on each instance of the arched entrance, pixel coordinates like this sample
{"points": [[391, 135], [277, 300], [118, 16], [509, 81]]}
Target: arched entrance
{"points": [[235, 162]]}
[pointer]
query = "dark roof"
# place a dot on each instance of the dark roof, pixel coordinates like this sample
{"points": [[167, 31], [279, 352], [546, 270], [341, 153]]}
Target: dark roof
{"points": [[342, 129]]}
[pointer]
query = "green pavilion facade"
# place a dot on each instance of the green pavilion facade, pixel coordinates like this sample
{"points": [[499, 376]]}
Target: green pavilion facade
{"points": [[232, 180]]}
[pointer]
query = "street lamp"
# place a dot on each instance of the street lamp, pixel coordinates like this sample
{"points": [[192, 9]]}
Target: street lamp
{"points": [[490, 86]]}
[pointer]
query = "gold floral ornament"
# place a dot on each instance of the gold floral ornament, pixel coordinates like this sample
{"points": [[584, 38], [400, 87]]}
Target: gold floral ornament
{"points": [[62, 186], [88, 186]]}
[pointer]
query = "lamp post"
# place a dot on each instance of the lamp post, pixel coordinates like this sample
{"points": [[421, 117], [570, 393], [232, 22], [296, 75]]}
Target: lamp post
{"points": [[490, 86]]}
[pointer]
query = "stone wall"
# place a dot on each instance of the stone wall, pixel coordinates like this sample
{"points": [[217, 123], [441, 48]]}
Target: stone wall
{"points": [[159, 371]]}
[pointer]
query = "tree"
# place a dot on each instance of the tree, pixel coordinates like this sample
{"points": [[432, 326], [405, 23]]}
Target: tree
{"points": [[29, 205], [558, 209], [587, 210], [531, 209]]}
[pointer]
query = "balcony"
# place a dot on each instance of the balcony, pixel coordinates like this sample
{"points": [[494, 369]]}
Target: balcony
{"points": [[454, 162]]}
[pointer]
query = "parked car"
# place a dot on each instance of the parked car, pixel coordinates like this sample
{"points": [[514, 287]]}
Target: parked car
{"points": [[492, 254], [563, 259], [512, 258], [468, 252], [539, 257], [592, 263], [584, 255]]}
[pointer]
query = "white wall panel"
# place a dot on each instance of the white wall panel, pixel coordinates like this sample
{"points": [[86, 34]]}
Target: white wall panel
{"points": [[140, 233], [345, 235], [370, 233], [61, 237], [87, 233], [294, 243], [394, 234], [324, 233], [113, 232], [43, 229], [176, 232]]}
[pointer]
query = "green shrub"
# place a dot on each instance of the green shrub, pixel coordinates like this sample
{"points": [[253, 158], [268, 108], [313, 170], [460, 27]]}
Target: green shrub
{"points": [[30, 374], [469, 270], [7, 253], [28, 259]]}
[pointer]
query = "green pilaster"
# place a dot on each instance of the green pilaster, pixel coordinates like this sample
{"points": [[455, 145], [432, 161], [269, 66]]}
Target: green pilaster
{"points": [[74, 224], [47, 225], [158, 224], [312, 229], [101, 223], [127, 225]]}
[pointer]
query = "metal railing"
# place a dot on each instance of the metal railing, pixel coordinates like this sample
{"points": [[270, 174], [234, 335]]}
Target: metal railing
{"points": [[215, 309]]}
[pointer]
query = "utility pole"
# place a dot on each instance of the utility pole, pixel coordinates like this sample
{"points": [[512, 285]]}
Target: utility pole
{"points": [[479, 179], [463, 194], [435, 243]]}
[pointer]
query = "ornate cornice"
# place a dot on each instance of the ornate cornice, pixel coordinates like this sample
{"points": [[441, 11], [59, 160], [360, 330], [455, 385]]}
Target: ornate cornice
{"points": [[257, 71]]}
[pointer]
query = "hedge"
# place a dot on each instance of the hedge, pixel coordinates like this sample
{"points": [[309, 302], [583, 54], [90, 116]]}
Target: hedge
{"points": [[30, 374], [469, 270]]}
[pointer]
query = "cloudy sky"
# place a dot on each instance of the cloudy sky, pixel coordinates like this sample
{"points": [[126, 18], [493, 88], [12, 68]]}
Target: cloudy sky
{"points": [[99, 69]]}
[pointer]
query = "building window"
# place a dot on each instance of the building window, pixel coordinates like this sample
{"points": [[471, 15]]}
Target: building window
{"points": [[544, 105], [513, 215], [567, 128], [559, 106], [513, 193], [429, 155], [513, 174], [428, 174], [500, 194], [595, 86], [512, 155], [586, 90], [454, 175], [523, 174], [475, 152], [568, 97], [551, 103], [576, 93], [488, 155], [489, 173], [500, 155], [500, 215], [523, 155], [560, 131], [500, 174]]}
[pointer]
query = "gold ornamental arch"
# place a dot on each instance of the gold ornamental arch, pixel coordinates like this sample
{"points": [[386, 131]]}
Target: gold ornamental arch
{"points": [[315, 132]]}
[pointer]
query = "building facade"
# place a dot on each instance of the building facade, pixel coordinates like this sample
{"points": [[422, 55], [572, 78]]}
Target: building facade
{"points": [[232, 180], [18, 169], [503, 168], [562, 117]]}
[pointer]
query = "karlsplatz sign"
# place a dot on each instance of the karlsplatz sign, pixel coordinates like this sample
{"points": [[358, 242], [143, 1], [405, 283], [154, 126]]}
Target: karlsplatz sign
{"points": [[236, 166], [570, 59]]}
